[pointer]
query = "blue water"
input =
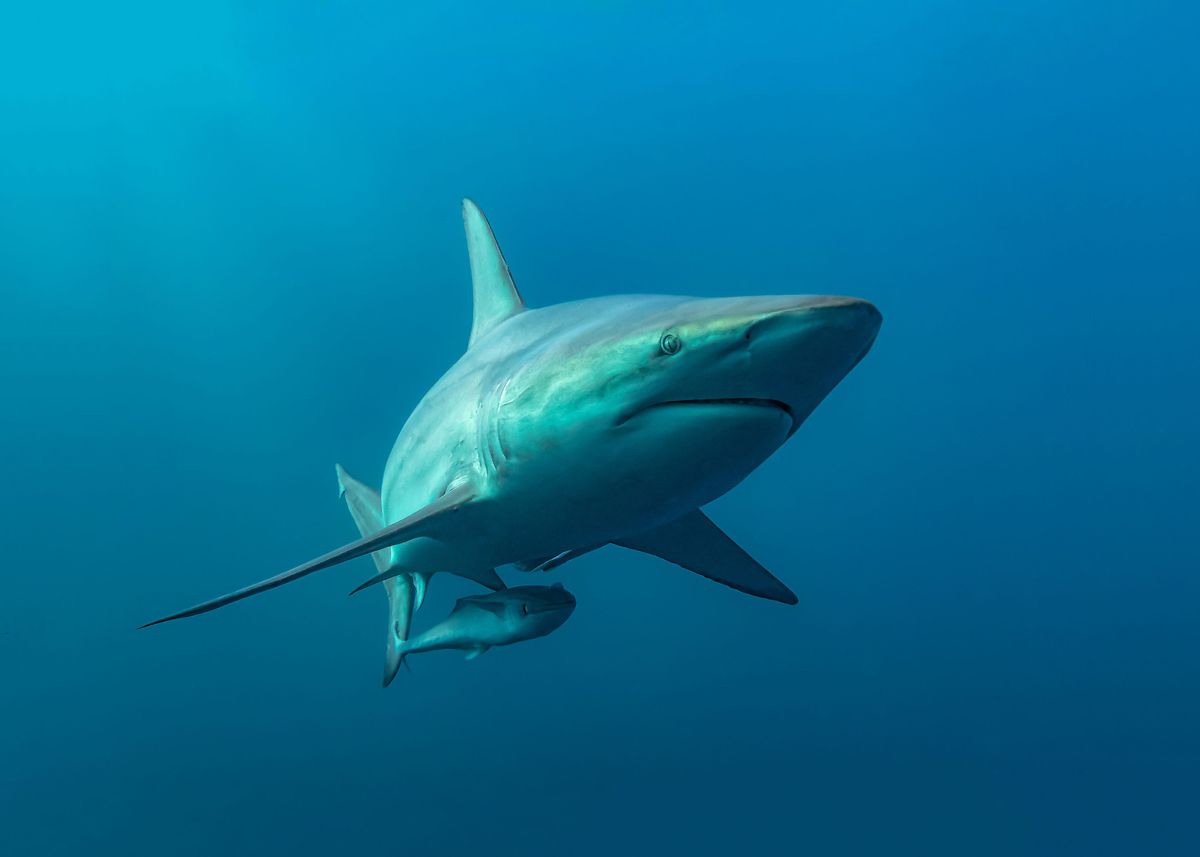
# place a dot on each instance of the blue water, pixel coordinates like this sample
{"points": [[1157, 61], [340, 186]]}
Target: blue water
{"points": [[231, 255]]}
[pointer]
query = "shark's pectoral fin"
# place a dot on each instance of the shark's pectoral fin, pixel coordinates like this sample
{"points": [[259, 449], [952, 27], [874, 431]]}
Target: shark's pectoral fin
{"points": [[697, 544], [472, 654], [420, 523]]}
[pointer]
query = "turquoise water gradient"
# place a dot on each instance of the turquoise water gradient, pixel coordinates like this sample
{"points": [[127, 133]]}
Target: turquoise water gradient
{"points": [[231, 255]]}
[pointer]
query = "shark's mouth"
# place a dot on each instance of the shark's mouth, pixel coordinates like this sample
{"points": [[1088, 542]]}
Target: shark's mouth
{"points": [[772, 404]]}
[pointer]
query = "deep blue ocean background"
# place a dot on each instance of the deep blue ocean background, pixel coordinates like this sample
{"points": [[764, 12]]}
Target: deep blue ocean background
{"points": [[231, 255]]}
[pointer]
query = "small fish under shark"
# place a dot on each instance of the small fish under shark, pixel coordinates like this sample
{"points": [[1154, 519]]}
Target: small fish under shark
{"points": [[479, 622]]}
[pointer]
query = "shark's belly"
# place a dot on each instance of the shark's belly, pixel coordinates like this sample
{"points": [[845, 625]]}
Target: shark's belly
{"points": [[662, 465]]}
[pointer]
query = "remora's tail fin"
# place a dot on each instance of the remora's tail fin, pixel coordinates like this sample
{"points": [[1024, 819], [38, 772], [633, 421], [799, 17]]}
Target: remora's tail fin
{"points": [[417, 524]]}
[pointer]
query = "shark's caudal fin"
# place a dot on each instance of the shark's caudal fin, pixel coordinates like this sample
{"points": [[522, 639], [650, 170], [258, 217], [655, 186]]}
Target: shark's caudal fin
{"points": [[420, 523], [400, 610], [404, 591], [496, 296], [394, 660], [697, 544]]}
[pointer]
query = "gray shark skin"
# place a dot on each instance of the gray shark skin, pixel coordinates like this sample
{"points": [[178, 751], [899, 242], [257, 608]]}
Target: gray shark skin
{"points": [[479, 622], [604, 421]]}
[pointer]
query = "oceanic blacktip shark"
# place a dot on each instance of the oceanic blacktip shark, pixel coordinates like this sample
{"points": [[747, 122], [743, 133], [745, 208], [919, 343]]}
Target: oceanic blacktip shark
{"points": [[604, 421], [481, 621]]}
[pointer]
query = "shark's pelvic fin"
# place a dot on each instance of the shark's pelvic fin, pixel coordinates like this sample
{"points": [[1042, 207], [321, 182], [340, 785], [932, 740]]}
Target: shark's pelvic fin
{"points": [[472, 654], [697, 544], [419, 523], [496, 296]]}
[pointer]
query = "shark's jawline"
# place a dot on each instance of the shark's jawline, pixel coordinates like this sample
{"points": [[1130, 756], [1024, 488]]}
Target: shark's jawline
{"points": [[750, 402]]}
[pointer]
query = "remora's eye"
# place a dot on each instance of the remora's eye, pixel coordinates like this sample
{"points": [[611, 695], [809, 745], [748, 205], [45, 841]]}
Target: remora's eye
{"points": [[670, 343]]}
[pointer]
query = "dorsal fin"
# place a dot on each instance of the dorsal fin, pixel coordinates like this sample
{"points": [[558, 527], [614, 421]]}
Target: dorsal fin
{"points": [[496, 296]]}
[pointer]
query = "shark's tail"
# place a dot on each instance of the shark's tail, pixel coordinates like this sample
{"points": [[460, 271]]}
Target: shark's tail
{"points": [[405, 591], [400, 607]]}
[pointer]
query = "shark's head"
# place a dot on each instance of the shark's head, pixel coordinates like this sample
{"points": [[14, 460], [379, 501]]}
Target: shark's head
{"points": [[535, 611], [688, 393], [738, 356]]}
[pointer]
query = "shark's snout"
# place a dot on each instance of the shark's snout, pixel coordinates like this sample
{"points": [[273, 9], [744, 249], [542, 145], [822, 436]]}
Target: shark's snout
{"points": [[845, 314], [852, 314], [822, 332], [857, 320], [863, 310]]}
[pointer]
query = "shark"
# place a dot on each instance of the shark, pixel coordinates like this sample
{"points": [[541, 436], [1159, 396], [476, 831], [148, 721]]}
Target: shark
{"points": [[479, 622], [606, 421]]}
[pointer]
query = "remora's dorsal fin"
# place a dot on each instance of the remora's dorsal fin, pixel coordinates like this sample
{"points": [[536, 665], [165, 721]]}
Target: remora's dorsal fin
{"points": [[417, 524], [697, 544], [496, 296]]}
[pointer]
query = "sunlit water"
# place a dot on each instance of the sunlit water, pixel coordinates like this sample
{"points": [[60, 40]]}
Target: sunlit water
{"points": [[231, 255]]}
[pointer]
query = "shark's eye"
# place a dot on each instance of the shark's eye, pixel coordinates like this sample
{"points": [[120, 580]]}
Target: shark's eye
{"points": [[670, 343], [524, 609]]}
